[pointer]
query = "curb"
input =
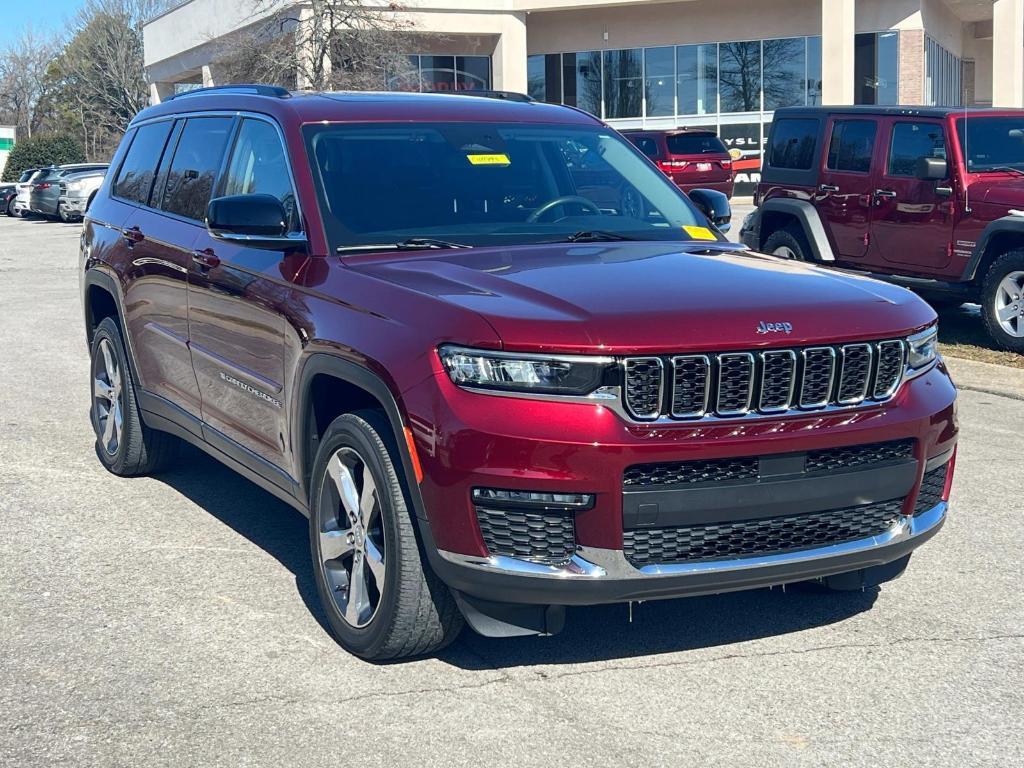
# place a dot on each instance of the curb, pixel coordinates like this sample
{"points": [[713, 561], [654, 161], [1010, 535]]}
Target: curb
{"points": [[988, 378]]}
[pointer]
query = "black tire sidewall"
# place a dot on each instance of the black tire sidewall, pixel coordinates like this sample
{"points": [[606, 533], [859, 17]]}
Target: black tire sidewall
{"points": [[784, 237], [350, 431], [1013, 261], [116, 463]]}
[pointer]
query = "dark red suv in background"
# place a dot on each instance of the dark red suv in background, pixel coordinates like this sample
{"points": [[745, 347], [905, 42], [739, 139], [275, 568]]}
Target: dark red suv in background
{"points": [[502, 364], [694, 158]]}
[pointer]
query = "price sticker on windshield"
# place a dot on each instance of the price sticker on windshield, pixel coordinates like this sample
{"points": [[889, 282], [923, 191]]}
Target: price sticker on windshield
{"points": [[700, 233], [493, 159]]}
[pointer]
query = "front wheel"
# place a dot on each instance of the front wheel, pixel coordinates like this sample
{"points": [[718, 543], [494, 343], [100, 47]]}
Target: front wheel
{"points": [[1002, 301], [381, 599], [788, 243]]}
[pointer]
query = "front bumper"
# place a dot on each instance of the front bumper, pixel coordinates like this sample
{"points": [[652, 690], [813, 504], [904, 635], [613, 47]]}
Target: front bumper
{"points": [[72, 206]]}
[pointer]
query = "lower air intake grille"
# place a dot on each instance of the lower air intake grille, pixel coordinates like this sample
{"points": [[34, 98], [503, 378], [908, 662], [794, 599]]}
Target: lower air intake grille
{"points": [[851, 457], [932, 486], [543, 537], [688, 472], [755, 538]]}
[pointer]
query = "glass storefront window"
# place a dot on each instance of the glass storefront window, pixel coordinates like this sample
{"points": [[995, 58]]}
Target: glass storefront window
{"points": [[623, 83], [814, 71], [581, 76], [659, 81], [437, 73], [876, 68], [785, 69], [697, 79], [535, 77], [472, 73], [739, 76]]}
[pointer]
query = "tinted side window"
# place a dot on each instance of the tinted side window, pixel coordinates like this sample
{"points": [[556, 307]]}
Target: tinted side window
{"points": [[135, 178], [793, 144], [695, 144], [259, 166], [851, 145], [195, 165], [648, 146], [911, 141]]}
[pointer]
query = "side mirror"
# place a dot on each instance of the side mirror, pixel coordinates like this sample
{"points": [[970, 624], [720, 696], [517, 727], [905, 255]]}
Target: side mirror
{"points": [[931, 169], [715, 206], [258, 221]]}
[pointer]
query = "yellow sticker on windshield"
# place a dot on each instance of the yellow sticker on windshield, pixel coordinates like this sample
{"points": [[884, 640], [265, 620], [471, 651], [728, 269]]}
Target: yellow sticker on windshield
{"points": [[700, 233], [489, 159]]}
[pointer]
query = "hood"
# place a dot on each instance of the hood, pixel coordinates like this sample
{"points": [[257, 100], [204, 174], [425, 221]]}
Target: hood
{"points": [[652, 297], [1004, 189]]}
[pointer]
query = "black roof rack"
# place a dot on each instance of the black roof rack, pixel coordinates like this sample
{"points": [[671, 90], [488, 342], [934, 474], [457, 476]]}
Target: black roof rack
{"points": [[503, 95], [243, 90]]}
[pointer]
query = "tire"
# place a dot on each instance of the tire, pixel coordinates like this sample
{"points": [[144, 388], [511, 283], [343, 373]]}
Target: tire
{"points": [[788, 243], [63, 216], [133, 449], [858, 581], [1002, 301], [10, 208], [414, 613]]}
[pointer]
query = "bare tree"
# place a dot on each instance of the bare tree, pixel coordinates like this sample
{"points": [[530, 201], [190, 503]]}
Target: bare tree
{"points": [[320, 45], [23, 72]]}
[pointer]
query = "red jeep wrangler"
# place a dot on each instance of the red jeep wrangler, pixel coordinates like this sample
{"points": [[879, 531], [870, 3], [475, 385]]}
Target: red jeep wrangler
{"points": [[920, 196], [500, 361]]}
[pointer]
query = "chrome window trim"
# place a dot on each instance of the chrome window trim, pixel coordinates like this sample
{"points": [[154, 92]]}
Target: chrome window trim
{"points": [[707, 387], [599, 563], [655, 415], [792, 380], [831, 378], [886, 394], [842, 372], [750, 387]]}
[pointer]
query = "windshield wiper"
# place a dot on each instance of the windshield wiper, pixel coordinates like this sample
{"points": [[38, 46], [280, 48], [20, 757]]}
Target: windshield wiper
{"points": [[409, 244], [1008, 168], [594, 236]]}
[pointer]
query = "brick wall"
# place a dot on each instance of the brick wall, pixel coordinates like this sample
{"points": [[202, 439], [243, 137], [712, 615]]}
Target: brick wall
{"points": [[911, 89]]}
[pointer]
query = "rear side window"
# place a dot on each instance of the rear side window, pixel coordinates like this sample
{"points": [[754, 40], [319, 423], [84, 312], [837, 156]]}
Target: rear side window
{"points": [[646, 145], [135, 178], [195, 165], [695, 144], [911, 141], [851, 145], [793, 144], [259, 166]]}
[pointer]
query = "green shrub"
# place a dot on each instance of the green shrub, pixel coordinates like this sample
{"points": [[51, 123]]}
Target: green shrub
{"points": [[41, 151]]}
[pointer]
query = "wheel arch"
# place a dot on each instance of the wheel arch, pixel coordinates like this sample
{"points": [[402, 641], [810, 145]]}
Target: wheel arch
{"points": [[778, 212], [101, 298], [999, 237], [330, 386]]}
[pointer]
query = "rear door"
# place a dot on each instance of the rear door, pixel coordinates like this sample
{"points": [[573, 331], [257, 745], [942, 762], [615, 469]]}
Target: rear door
{"points": [[912, 222], [237, 297], [845, 191]]}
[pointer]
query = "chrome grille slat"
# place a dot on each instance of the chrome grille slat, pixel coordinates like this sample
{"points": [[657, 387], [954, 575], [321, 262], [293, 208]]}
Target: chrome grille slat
{"points": [[770, 382]]}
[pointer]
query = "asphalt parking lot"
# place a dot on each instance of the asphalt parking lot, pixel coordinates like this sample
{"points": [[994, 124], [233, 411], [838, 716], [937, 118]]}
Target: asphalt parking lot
{"points": [[173, 620]]}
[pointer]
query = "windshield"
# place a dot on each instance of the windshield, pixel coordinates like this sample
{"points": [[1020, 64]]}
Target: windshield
{"points": [[695, 144], [485, 184], [991, 142]]}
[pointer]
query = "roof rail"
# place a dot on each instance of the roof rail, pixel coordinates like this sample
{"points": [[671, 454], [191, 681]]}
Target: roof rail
{"points": [[488, 94], [242, 89]]}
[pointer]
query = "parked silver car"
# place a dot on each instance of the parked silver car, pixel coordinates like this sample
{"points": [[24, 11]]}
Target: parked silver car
{"points": [[76, 192], [24, 188]]}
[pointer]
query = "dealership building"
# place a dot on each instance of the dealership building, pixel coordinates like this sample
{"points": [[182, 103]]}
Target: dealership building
{"points": [[724, 64]]}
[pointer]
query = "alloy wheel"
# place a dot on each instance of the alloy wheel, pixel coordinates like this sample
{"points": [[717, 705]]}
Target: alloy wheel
{"points": [[1009, 304], [785, 252], [351, 534], [107, 399]]}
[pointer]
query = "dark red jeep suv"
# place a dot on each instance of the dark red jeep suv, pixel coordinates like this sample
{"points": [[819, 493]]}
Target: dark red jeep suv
{"points": [[500, 361]]}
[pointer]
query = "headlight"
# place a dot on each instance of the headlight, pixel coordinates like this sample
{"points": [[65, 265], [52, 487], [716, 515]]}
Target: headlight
{"points": [[76, 186], [922, 348], [553, 375]]}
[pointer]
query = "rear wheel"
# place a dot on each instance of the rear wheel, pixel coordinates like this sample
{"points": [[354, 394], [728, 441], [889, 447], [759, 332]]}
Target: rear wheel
{"points": [[381, 598], [788, 243], [1002, 301], [10, 208], [125, 445]]}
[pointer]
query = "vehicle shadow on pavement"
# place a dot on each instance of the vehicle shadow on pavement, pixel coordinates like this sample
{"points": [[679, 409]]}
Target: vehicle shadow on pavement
{"points": [[591, 634]]}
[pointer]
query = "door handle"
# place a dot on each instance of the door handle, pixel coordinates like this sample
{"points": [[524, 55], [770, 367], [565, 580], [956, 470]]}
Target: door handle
{"points": [[828, 188], [887, 193], [205, 259], [133, 236]]}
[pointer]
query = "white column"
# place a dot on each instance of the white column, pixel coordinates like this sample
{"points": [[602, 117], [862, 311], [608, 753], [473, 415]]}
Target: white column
{"points": [[208, 79], [509, 61], [159, 92], [837, 44], [1008, 53]]}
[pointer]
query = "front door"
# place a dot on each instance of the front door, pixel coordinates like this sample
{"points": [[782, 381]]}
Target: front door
{"points": [[844, 194], [912, 223], [236, 317]]}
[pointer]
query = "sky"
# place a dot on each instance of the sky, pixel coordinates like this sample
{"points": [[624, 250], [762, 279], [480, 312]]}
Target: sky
{"points": [[43, 15]]}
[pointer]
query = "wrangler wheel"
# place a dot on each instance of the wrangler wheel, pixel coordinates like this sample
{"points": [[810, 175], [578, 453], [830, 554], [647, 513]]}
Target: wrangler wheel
{"points": [[788, 243], [1002, 297]]}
